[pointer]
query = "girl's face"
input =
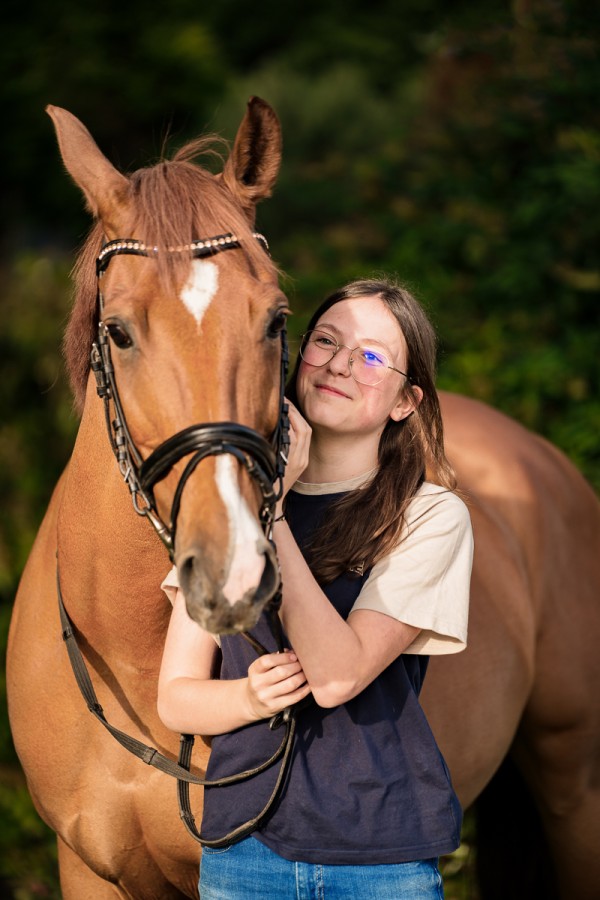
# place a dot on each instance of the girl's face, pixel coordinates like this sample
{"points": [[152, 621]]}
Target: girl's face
{"points": [[330, 398]]}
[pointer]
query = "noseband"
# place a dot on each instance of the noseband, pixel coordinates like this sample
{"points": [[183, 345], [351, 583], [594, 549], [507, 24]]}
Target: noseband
{"points": [[264, 460]]}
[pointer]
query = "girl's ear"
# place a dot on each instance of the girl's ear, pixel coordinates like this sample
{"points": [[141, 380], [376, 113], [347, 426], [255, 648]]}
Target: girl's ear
{"points": [[407, 403]]}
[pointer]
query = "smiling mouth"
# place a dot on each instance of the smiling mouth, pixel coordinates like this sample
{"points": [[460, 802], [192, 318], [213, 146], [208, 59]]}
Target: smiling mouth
{"points": [[327, 388]]}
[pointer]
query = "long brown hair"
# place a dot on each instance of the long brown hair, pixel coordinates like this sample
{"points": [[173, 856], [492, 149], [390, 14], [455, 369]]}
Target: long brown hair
{"points": [[364, 525]]}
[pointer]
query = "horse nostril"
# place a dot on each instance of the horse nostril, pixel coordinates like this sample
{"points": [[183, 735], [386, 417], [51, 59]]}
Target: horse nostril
{"points": [[192, 575], [186, 571], [269, 581]]}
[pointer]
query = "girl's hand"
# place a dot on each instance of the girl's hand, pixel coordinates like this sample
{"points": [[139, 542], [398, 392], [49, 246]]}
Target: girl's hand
{"points": [[275, 681], [298, 451]]}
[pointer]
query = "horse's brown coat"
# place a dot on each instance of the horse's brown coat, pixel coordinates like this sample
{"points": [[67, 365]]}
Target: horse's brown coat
{"points": [[528, 682]]}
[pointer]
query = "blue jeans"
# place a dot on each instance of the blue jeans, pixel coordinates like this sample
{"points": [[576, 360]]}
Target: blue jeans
{"points": [[250, 871]]}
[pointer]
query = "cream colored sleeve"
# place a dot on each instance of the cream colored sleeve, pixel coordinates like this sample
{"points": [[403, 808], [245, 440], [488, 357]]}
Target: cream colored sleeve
{"points": [[170, 585], [425, 581]]}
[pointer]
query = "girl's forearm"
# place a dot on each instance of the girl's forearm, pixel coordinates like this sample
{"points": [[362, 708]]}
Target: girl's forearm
{"points": [[339, 658], [328, 648], [207, 707]]}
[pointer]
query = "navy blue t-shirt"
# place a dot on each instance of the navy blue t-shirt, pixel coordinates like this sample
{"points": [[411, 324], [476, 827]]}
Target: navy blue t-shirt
{"points": [[367, 783]]}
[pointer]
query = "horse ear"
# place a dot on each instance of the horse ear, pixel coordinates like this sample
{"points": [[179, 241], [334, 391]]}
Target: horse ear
{"points": [[107, 192], [252, 168]]}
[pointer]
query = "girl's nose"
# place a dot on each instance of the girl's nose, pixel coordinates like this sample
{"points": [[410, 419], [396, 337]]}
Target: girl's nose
{"points": [[339, 364]]}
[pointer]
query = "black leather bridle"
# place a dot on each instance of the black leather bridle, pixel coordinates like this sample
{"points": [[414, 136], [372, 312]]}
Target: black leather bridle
{"points": [[265, 462]]}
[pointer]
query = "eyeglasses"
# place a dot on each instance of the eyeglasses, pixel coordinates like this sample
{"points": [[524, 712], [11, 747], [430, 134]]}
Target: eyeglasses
{"points": [[367, 365]]}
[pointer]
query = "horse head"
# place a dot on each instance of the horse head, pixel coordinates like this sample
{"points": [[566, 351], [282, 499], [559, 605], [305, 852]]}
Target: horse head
{"points": [[186, 340]]}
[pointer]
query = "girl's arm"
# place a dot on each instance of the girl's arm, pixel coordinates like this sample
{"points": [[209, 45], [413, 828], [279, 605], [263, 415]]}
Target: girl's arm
{"points": [[191, 699], [339, 658]]}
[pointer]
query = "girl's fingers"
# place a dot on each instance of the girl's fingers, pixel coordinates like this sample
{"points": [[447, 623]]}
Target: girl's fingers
{"points": [[294, 691], [298, 453], [297, 420], [276, 680], [270, 661], [298, 695], [267, 674], [299, 425]]}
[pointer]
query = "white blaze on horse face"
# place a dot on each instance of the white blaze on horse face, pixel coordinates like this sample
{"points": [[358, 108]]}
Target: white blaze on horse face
{"points": [[200, 288], [245, 535]]}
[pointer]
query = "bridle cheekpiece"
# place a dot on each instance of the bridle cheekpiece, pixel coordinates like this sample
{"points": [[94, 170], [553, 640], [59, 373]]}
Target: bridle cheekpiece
{"points": [[264, 460]]}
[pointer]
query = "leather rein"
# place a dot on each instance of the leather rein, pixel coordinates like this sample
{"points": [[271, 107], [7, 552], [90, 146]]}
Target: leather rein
{"points": [[265, 462]]}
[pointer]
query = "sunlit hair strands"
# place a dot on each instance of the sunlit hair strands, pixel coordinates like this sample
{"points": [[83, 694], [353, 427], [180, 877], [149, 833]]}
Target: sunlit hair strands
{"points": [[364, 525]]}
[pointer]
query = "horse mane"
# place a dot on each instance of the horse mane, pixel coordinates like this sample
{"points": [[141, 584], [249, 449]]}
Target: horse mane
{"points": [[174, 202]]}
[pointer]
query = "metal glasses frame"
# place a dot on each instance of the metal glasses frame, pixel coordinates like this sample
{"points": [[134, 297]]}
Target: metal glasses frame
{"points": [[305, 340]]}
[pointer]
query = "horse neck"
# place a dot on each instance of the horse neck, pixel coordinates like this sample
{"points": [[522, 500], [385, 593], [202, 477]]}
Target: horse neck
{"points": [[111, 561]]}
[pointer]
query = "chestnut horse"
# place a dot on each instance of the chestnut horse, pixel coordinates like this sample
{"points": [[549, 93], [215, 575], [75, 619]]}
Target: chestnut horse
{"points": [[527, 685]]}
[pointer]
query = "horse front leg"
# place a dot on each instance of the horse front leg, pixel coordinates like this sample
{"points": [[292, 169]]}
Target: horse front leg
{"points": [[141, 879], [79, 882]]}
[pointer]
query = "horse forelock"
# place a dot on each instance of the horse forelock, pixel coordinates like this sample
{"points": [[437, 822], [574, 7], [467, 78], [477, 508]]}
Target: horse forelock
{"points": [[172, 203]]}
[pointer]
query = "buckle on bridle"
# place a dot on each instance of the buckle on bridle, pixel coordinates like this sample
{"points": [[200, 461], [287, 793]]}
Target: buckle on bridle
{"points": [[264, 461]]}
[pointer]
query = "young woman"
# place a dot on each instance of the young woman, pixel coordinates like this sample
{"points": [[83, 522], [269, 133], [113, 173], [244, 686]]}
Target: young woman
{"points": [[375, 563]]}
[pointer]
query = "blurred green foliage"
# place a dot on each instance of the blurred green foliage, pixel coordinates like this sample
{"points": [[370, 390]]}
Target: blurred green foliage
{"points": [[455, 145]]}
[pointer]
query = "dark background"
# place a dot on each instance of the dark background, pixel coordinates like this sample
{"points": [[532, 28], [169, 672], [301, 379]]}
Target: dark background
{"points": [[456, 145]]}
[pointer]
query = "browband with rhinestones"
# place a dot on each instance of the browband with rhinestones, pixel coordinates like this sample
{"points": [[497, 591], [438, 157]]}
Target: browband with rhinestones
{"points": [[198, 249]]}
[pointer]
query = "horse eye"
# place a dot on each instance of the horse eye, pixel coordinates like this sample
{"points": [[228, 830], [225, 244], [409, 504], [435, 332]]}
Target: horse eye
{"points": [[277, 323], [119, 336]]}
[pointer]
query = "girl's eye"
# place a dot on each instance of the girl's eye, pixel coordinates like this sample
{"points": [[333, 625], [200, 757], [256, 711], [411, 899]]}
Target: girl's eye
{"points": [[322, 341], [118, 336], [371, 358]]}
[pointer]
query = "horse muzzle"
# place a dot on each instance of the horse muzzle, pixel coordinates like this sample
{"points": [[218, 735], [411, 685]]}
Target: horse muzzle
{"points": [[232, 604]]}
